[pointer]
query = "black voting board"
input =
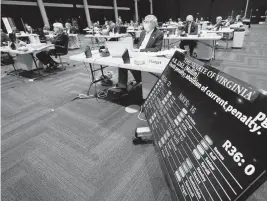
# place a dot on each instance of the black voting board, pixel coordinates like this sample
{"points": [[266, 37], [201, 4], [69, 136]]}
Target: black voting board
{"points": [[210, 131]]}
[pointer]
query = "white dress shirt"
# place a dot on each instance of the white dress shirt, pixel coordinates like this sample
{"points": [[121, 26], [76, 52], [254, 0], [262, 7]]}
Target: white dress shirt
{"points": [[146, 39]]}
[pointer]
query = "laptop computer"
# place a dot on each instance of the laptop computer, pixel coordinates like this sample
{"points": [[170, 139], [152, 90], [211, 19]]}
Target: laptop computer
{"points": [[117, 48]]}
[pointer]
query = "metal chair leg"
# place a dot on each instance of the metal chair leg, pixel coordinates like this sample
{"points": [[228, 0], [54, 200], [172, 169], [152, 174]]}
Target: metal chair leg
{"points": [[64, 68]]}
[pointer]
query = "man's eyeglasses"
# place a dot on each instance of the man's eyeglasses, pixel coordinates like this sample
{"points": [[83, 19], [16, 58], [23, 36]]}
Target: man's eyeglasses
{"points": [[146, 21]]}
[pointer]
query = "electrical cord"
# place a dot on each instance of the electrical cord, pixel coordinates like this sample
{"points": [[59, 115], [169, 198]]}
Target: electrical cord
{"points": [[140, 114]]}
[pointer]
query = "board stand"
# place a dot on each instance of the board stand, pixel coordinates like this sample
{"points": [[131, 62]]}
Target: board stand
{"points": [[143, 135]]}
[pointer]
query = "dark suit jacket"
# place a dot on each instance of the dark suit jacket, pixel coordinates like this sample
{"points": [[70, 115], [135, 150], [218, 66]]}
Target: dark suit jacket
{"points": [[154, 44], [218, 25], [61, 42], [193, 30], [12, 37]]}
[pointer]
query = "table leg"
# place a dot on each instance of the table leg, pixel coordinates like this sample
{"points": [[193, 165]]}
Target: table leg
{"points": [[214, 46], [101, 68], [93, 81], [227, 38], [143, 135], [92, 72], [92, 41], [35, 64]]}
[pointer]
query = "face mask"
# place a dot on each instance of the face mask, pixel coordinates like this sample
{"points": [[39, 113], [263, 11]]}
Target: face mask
{"points": [[147, 27]]}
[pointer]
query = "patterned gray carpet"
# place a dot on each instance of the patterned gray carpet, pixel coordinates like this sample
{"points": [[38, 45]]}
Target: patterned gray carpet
{"points": [[55, 149]]}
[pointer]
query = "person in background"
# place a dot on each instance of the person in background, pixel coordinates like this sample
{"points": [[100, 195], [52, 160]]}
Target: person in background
{"points": [[131, 25], [105, 25], [170, 21], [238, 19], [180, 22], [12, 36], [228, 21], [4, 38], [68, 27], [151, 40], [201, 19], [218, 24], [108, 28], [190, 28], [60, 41], [28, 29], [137, 25], [119, 22]]}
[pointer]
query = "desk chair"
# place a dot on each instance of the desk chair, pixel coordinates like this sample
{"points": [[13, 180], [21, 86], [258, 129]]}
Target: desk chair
{"points": [[64, 51], [7, 59]]}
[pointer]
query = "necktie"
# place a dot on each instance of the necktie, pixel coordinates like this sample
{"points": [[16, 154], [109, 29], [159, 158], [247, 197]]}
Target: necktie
{"points": [[189, 28]]}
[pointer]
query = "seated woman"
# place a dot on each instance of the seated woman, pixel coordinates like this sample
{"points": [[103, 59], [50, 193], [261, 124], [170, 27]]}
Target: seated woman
{"points": [[61, 44]]}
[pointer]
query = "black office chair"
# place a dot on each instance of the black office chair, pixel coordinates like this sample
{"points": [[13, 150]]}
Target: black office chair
{"points": [[7, 59], [64, 51]]}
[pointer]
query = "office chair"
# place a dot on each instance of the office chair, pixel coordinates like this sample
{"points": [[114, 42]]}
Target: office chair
{"points": [[7, 59], [62, 53]]}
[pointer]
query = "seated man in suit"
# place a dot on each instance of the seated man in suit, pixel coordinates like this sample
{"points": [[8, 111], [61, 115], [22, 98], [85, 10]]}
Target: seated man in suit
{"points": [[190, 28], [218, 24], [61, 46], [151, 40]]}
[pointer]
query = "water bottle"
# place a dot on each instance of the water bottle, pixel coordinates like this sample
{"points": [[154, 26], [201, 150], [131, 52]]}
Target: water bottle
{"points": [[13, 46]]}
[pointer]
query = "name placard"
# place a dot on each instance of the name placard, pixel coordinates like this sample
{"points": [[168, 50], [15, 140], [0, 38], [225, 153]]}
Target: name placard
{"points": [[210, 130]]}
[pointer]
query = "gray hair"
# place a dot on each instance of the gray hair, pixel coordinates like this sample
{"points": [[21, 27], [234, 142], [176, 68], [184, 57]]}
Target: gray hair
{"points": [[219, 18], [152, 19], [190, 18], [58, 25]]}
